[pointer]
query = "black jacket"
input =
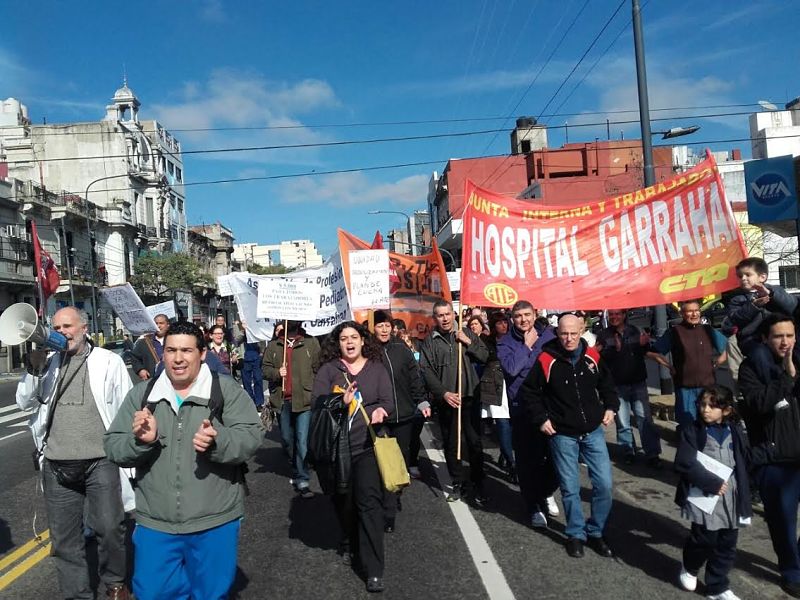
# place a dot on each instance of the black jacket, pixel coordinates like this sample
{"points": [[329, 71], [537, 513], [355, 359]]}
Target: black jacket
{"points": [[439, 363], [771, 410], [693, 440], [573, 398], [408, 391], [143, 355]]}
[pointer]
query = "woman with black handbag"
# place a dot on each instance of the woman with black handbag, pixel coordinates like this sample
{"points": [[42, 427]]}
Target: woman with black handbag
{"points": [[351, 364]]}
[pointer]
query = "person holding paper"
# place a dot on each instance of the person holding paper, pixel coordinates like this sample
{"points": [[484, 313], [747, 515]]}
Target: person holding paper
{"points": [[714, 491]]}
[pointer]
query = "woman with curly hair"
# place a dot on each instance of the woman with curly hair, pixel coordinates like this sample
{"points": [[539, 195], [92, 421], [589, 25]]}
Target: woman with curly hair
{"points": [[351, 361]]}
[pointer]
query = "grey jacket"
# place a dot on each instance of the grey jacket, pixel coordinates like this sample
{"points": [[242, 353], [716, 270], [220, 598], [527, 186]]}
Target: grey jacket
{"points": [[179, 490], [438, 359]]}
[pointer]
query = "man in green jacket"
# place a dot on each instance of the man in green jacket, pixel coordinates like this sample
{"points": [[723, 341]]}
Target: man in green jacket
{"points": [[291, 383], [189, 476]]}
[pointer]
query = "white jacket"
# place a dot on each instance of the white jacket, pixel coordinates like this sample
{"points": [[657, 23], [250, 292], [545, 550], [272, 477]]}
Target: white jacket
{"points": [[109, 381]]}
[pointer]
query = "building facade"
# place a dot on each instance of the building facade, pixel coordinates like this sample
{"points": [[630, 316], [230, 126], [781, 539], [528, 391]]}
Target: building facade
{"points": [[119, 181], [292, 254]]}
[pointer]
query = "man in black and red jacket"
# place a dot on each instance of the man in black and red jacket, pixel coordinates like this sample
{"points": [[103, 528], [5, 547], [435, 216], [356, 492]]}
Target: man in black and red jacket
{"points": [[570, 396]]}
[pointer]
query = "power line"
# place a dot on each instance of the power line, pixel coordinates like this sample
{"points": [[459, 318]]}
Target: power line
{"points": [[398, 123], [583, 56], [388, 139], [316, 173]]}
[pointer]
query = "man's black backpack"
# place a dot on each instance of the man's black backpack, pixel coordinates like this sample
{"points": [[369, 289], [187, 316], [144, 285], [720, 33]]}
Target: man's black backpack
{"points": [[216, 403]]}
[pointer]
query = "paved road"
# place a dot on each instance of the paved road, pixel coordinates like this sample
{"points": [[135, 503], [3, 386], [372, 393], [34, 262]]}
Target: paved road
{"points": [[288, 545]]}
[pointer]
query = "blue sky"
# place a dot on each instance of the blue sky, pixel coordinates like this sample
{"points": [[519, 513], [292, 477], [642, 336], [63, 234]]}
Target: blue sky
{"points": [[319, 66]]}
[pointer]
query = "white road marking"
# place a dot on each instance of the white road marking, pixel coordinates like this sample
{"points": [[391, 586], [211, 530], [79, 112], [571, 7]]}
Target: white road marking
{"points": [[494, 581], [9, 408], [5, 437], [13, 417]]}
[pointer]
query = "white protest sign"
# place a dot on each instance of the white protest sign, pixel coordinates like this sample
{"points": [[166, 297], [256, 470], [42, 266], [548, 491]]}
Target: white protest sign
{"points": [[224, 285], [332, 306], [164, 308], [129, 308], [287, 298], [369, 279]]}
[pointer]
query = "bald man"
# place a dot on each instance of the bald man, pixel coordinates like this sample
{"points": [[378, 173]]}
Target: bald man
{"points": [[75, 396], [569, 395]]}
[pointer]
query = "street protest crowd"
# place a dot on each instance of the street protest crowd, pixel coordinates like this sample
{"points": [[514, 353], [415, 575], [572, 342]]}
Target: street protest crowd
{"points": [[369, 344], [175, 444]]}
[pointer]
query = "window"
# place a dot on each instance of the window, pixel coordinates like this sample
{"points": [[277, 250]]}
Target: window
{"points": [[148, 211], [789, 276], [170, 168], [178, 174], [180, 205]]}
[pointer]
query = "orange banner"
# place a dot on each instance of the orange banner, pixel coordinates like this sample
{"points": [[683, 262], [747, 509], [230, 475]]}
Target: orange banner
{"points": [[673, 241], [422, 282]]}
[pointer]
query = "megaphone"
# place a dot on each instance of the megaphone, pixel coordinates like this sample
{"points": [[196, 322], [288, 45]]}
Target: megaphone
{"points": [[20, 323]]}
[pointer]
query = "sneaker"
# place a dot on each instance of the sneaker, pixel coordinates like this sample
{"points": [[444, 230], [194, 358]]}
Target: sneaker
{"points": [[726, 595], [552, 507], [629, 459], [654, 462], [538, 520], [479, 497], [305, 493], [414, 472], [455, 493], [687, 580], [117, 592]]}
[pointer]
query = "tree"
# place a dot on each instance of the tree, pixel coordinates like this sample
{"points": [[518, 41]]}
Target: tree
{"points": [[270, 270], [159, 276]]}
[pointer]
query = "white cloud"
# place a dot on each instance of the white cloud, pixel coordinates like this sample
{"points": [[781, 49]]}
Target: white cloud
{"points": [[356, 189], [265, 111], [213, 11], [485, 82]]}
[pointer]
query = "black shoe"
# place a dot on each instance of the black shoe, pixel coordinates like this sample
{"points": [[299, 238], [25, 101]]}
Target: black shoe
{"points": [[629, 459], [479, 497], [512, 476], [455, 493], [374, 584], [388, 525], [599, 545], [575, 547], [791, 587], [502, 463], [654, 462]]}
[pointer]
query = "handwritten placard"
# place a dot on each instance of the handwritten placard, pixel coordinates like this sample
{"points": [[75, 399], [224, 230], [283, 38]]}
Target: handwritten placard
{"points": [[163, 308], [224, 285], [281, 298], [129, 308], [369, 279]]}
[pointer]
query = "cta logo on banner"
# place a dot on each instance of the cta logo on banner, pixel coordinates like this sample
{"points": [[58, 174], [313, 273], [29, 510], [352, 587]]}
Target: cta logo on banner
{"points": [[771, 189], [673, 241]]}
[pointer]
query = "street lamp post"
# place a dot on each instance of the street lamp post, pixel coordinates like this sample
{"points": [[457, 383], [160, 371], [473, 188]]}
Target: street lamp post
{"points": [[95, 316], [412, 234]]}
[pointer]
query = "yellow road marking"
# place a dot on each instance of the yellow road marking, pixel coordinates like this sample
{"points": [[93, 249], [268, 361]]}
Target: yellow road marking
{"points": [[24, 549], [24, 566]]}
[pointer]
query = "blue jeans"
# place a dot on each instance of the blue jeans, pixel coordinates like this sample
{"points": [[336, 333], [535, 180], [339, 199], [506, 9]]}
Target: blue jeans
{"points": [[591, 447], [171, 566], [633, 398], [686, 405], [253, 381], [503, 429], [294, 431]]}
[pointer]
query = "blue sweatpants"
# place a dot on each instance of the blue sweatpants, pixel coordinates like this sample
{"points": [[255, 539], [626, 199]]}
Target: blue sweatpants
{"points": [[190, 566]]}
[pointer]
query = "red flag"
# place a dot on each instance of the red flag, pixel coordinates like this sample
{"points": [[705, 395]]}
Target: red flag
{"points": [[394, 278], [46, 271]]}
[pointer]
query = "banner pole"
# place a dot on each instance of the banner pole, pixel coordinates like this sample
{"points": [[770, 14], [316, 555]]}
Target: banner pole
{"points": [[285, 343], [458, 427]]}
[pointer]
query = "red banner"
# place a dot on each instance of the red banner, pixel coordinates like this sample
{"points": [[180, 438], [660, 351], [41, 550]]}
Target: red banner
{"points": [[673, 241], [422, 281], [46, 271]]}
